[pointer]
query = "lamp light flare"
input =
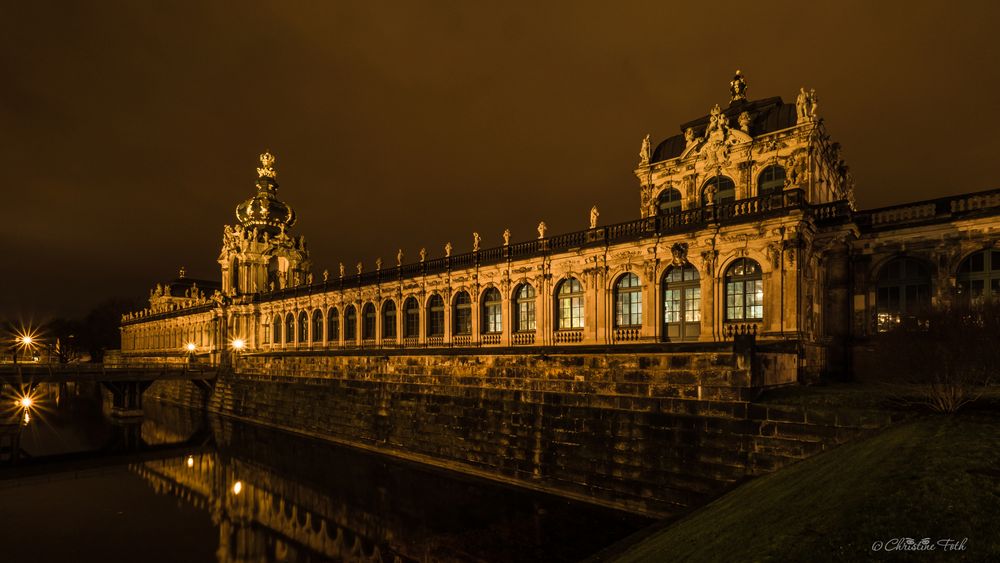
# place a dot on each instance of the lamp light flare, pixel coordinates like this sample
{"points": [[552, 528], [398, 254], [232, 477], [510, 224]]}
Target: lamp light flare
{"points": [[237, 487], [191, 347], [26, 402], [239, 344], [190, 461]]}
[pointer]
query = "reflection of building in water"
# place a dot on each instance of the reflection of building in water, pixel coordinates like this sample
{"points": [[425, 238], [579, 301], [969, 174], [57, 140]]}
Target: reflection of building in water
{"points": [[255, 523], [276, 497], [746, 224]]}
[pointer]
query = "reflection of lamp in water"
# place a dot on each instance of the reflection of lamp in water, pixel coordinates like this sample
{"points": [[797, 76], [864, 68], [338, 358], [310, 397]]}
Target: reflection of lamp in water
{"points": [[190, 461], [237, 487]]}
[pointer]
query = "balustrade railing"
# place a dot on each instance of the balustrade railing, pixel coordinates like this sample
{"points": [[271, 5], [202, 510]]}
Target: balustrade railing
{"points": [[627, 334], [524, 338], [568, 336], [461, 340], [491, 339]]}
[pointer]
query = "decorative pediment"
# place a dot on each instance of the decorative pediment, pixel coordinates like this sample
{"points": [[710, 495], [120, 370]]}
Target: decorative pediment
{"points": [[719, 136]]}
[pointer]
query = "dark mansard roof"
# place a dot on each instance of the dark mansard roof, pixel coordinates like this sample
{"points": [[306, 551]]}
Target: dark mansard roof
{"points": [[179, 286], [767, 115]]}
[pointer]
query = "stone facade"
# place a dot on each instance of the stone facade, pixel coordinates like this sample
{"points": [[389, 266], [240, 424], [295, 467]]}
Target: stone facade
{"points": [[747, 225]]}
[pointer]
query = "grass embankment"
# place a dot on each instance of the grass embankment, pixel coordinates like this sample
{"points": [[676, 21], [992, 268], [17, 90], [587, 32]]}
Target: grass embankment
{"points": [[933, 477]]}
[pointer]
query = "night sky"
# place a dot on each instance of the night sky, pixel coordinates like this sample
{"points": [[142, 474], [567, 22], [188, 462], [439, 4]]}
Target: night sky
{"points": [[130, 130]]}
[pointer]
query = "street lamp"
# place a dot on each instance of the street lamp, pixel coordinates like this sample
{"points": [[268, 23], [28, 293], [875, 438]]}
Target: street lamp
{"points": [[238, 344]]}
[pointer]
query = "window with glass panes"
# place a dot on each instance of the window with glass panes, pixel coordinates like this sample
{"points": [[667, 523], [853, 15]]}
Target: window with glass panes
{"points": [[978, 276], [333, 326], [681, 295], [368, 321], [669, 201], [628, 301], [276, 329], [744, 291], [389, 319], [317, 327], [903, 290], [526, 308], [435, 316], [411, 318], [723, 187], [771, 180], [463, 314], [350, 324], [492, 311], [570, 304], [289, 329]]}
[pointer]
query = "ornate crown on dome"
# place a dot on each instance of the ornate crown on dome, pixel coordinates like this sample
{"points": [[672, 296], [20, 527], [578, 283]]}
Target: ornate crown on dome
{"points": [[264, 210]]}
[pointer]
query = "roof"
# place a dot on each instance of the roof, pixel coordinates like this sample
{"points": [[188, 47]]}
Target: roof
{"points": [[766, 115]]}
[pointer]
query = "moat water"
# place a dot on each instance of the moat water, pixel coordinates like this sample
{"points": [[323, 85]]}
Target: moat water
{"points": [[184, 485]]}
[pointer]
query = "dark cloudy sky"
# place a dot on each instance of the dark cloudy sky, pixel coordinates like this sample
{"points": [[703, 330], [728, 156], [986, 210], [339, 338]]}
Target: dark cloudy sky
{"points": [[130, 130]]}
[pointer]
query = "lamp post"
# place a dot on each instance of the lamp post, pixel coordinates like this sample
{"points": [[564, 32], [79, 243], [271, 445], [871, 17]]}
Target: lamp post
{"points": [[238, 344]]}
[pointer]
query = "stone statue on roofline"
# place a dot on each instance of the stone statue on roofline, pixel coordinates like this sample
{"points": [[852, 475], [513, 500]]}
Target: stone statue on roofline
{"points": [[341, 264], [326, 276], [506, 237], [399, 257], [594, 214], [542, 227], [447, 249], [475, 242], [738, 88], [423, 254], [644, 154]]}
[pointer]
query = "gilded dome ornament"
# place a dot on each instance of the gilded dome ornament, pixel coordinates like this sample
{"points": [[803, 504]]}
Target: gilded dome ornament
{"points": [[267, 166]]}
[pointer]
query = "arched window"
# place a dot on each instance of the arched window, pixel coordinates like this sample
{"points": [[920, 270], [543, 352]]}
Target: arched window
{"points": [[350, 324], [411, 318], [389, 320], [903, 291], [435, 316], [368, 322], [462, 316], [628, 301], [289, 329], [681, 303], [525, 308], [979, 276], [333, 326], [492, 311], [669, 201], [276, 329], [744, 291], [303, 327], [771, 180], [722, 188], [570, 305], [317, 328]]}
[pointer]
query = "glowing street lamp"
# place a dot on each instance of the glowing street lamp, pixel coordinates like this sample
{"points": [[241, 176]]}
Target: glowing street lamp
{"points": [[191, 347], [239, 344], [237, 487], [26, 402]]}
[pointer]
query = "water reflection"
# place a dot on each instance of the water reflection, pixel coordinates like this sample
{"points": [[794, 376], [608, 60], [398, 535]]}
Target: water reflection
{"points": [[272, 496]]}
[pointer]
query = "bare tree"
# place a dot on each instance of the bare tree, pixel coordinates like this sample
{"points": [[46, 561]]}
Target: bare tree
{"points": [[944, 359]]}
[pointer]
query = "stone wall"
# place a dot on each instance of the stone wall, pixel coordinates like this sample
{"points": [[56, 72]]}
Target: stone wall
{"points": [[650, 433]]}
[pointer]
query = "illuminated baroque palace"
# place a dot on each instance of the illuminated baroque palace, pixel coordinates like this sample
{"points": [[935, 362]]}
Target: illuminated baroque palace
{"points": [[747, 225]]}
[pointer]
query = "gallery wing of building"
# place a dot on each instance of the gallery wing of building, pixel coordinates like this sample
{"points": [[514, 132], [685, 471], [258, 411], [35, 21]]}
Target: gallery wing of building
{"points": [[747, 226]]}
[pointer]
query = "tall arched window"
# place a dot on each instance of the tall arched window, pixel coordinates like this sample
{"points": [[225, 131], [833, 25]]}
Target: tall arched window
{"points": [[462, 316], [368, 321], [570, 304], [681, 303], [289, 329], [628, 301], [317, 327], [669, 201], [525, 310], [435, 316], [722, 188], [389, 320], [350, 325], [744, 291], [492, 311], [903, 291], [333, 326], [411, 318], [771, 180], [303, 327], [276, 329], [979, 276]]}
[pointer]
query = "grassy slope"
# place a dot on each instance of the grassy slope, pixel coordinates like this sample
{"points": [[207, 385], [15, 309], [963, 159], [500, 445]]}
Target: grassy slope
{"points": [[936, 477]]}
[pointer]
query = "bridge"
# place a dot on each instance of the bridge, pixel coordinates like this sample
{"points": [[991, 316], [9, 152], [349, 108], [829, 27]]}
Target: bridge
{"points": [[125, 382]]}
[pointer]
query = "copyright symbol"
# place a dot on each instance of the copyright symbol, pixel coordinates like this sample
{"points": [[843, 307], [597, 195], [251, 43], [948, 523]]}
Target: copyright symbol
{"points": [[877, 546]]}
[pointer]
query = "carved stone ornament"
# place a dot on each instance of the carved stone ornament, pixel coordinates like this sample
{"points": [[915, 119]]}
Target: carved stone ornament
{"points": [[738, 87], [679, 253], [594, 214], [644, 154], [506, 237], [542, 227]]}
